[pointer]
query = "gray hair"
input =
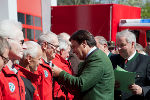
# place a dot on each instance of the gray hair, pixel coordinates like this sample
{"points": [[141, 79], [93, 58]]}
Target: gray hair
{"points": [[10, 29], [139, 47], [47, 37], [32, 49], [3, 45], [101, 40], [130, 37], [63, 44], [64, 36]]}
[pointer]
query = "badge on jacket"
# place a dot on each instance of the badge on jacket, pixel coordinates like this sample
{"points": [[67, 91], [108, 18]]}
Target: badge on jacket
{"points": [[46, 73], [11, 87]]}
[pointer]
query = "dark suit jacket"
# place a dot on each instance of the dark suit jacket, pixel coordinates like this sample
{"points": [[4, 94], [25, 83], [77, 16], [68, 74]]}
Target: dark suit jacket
{"points": [[141, 65], [74, 60], [110, 54], [95, 78]]}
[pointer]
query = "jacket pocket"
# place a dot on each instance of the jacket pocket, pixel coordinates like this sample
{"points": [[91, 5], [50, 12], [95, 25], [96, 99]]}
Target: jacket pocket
{"points": [[139, 79]]}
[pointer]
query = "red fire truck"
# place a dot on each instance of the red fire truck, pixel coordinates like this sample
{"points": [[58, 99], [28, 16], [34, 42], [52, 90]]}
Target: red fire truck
{"points": [[99, 19]]}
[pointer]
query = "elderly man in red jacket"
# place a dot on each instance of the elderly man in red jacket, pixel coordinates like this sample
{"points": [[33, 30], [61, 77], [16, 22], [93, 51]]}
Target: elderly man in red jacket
{"points": [[49, 46], [12, 86]]}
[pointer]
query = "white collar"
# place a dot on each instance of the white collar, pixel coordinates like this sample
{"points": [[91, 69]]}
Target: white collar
{"points": [[13, 69], [91, 50], [132, 55], [108, 53]]}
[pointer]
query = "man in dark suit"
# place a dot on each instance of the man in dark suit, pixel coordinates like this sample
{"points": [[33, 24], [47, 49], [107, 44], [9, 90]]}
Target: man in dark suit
{"points": [[95, 78], [132, 61]]}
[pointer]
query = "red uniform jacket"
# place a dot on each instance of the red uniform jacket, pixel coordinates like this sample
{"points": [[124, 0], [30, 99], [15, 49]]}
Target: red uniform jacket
{"points": [[45, 87], [60, 92], [11, 85], [33, 77]]}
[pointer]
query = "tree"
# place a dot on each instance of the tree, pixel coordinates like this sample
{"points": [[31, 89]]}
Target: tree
{"points": [[75, 2], [145, 13], [137, 3]]}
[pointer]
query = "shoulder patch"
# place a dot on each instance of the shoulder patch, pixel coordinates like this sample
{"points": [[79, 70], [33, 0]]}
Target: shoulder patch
{"points": [[46, 73], [11, 87]]}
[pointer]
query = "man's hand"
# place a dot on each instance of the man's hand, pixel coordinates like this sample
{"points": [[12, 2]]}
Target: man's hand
{"points": [[56, 71], [136, 89]]}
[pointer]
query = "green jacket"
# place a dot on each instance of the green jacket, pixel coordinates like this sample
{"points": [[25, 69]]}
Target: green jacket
{"points": [[95, 79]]}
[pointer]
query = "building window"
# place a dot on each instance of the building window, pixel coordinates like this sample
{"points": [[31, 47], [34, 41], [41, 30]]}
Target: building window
{"points": [[32, 26], [37, 34], [29, 20], [37, 21], [30, 34], [21, 18]]}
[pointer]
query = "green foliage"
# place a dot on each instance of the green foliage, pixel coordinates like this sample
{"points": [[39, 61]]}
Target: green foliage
{"points": [[75, 2], [145, 13], [137, 3]]}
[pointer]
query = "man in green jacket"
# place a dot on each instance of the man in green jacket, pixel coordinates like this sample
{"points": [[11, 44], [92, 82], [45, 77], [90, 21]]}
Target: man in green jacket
{"points": [[95, 78]]}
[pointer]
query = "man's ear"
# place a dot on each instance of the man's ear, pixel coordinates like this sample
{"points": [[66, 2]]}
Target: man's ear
{"points": [[84, 43], [44, 45], [105, 45], [28, 58], [133, 44], [61, 51]]}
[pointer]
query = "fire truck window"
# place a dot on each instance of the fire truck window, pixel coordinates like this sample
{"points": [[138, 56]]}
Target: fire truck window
{"points": [[29, 19], [148, 35], [30, 34], [37, 34], [136, 32], [23, 30], [21, 18], [37, 21]]}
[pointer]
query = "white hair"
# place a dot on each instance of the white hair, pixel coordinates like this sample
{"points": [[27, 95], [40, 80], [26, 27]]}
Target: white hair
{"points": [[10, 29], [130, 37], [32, 49], [48, 37], [63, 44], [64, 36], [101, 40]]}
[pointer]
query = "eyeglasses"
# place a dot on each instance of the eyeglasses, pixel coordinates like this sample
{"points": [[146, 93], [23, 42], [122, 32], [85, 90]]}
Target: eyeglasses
{"points": [[21, 41], [56, 46], [5, 59]]}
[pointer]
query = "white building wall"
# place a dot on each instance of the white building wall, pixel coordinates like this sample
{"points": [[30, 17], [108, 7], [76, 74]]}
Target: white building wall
{"points": [[8, 9], [46, 12], [53, 2]]}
